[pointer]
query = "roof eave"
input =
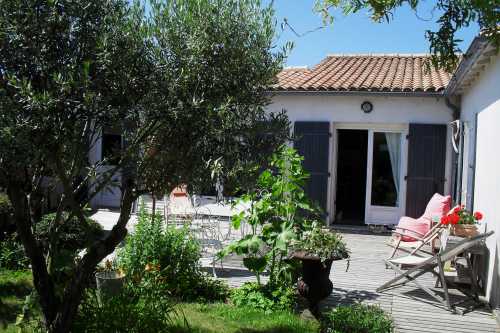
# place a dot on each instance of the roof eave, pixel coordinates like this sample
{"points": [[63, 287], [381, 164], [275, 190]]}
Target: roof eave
{"points": [[439, 93], [477, 56]]}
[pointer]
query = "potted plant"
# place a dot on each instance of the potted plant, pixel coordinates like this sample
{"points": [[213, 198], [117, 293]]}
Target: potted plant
{"points": [[317, 248], [463, 223], [109, 281]]}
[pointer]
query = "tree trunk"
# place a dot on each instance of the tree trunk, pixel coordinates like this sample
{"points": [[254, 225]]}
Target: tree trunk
{"points": [[58, 316], [41, 278], [83, 272]]}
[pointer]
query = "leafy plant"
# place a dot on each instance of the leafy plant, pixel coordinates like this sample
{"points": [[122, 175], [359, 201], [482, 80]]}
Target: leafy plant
{"points": [[167, 259], [12, 255], [60, 240], [277, 216], [70, 234], [5, 205], [256, 296], [124, 312], [7, 225], [358, 318], [323, 243], [460, 215]]}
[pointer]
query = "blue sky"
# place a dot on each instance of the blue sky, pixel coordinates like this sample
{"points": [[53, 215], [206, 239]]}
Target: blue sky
{"points": [[355, 33]]}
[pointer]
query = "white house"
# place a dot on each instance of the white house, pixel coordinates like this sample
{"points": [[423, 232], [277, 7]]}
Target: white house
{"points": [[476, 87], [374, 132], [377, 134]]}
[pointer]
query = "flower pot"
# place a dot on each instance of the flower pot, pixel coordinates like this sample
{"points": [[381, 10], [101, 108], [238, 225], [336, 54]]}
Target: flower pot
{"points": [[315, 283], [464, 230], [109, 283]]}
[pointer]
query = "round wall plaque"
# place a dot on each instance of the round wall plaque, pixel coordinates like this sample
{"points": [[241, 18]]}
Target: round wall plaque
{"points": [[367, 107]]}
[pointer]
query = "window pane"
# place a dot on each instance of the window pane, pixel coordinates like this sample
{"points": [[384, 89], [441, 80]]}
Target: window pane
{"points": [[111, 147], [385, 173]]}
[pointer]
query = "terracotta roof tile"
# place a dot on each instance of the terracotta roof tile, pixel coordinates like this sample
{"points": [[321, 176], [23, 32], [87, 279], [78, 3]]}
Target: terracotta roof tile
{"points": [[365, 73]]}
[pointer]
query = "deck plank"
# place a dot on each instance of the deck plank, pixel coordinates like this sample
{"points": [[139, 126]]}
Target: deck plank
{"points": [[412, 309]]}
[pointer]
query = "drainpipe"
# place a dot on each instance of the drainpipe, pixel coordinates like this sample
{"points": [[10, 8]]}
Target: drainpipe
{"points": [[457, 161]]}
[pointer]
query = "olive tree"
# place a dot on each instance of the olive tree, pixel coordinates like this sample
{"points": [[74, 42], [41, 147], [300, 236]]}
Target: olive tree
{"points": [[184, 82], [451, 16]]}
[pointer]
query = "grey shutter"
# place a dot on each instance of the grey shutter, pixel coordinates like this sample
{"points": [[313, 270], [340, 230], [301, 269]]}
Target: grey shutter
{"points": [[426, 166], [313, 143]]}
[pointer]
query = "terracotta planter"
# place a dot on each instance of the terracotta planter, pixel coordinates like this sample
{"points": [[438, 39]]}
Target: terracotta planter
{"points": [[315, 283], [464, 230]]}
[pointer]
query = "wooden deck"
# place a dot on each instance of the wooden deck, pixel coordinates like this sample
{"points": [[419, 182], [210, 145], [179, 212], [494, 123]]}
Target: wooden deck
{"points": [[411, 309]]}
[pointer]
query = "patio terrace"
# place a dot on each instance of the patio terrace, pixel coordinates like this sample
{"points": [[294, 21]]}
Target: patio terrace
{"points": [[412, 309]]}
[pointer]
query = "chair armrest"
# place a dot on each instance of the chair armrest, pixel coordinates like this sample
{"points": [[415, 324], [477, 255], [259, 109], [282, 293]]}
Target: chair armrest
{"points": [[410, 233]]}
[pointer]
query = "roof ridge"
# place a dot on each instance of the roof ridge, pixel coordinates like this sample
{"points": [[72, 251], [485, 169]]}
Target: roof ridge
{"points": [[378, 55], [295, 68]]}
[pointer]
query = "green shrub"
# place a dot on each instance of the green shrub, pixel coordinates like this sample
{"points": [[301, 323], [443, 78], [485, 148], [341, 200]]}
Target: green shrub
{"points": [[126, 312], [358, 319], [12, 255], [175, 254], [5, 205], [7, 225], [264, 298], [72, 235]]}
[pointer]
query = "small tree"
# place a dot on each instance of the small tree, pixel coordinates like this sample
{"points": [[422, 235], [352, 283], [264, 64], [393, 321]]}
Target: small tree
{"points": [[184, 82], [279, 213]]}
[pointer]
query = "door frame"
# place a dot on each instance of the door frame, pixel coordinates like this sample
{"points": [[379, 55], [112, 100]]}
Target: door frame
{"points": [[371, 128]]}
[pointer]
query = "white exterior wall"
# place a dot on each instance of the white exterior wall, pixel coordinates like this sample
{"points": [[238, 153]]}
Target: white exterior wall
{"points": [[483, 99], [389, 113]]}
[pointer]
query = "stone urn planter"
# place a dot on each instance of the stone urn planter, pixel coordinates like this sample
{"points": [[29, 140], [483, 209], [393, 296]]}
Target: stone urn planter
{"points": [[109, 283], [315, 284]]}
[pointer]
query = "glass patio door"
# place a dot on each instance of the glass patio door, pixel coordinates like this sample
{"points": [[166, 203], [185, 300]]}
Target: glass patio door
{"points": [[383, 186]]}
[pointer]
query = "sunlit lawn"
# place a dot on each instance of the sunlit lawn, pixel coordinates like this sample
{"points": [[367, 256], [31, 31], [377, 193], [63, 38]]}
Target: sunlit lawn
{"points": [[223, 318], [195, 318], [14, 287]]}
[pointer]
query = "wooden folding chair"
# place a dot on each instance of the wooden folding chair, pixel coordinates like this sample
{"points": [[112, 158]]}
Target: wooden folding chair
{"points": [[418, 266], [421, 240]]}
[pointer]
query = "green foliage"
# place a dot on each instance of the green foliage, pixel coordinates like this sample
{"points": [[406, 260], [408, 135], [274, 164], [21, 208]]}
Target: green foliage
{"points": [[70, 234], [163, 74], [12, 255], [323, 243], [7, 225], [358, 319], [5, 205], [254, 296], [276, 218], [167, 259], [453, 16], [224, 318], [125, 312], [15, 287], [61, 240]]}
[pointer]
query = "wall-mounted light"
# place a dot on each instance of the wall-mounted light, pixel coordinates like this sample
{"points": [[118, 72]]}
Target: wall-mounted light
{"points": [[367, 107]]}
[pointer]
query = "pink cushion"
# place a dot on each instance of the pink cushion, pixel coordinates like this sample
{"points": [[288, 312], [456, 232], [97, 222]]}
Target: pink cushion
{"points": [[421, 226], [438, 206]]}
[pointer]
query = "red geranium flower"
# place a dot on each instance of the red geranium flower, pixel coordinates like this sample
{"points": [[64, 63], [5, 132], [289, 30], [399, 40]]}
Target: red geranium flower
{"points": [[457, 209], [478, 216], [454, 218], [445, 219]]}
